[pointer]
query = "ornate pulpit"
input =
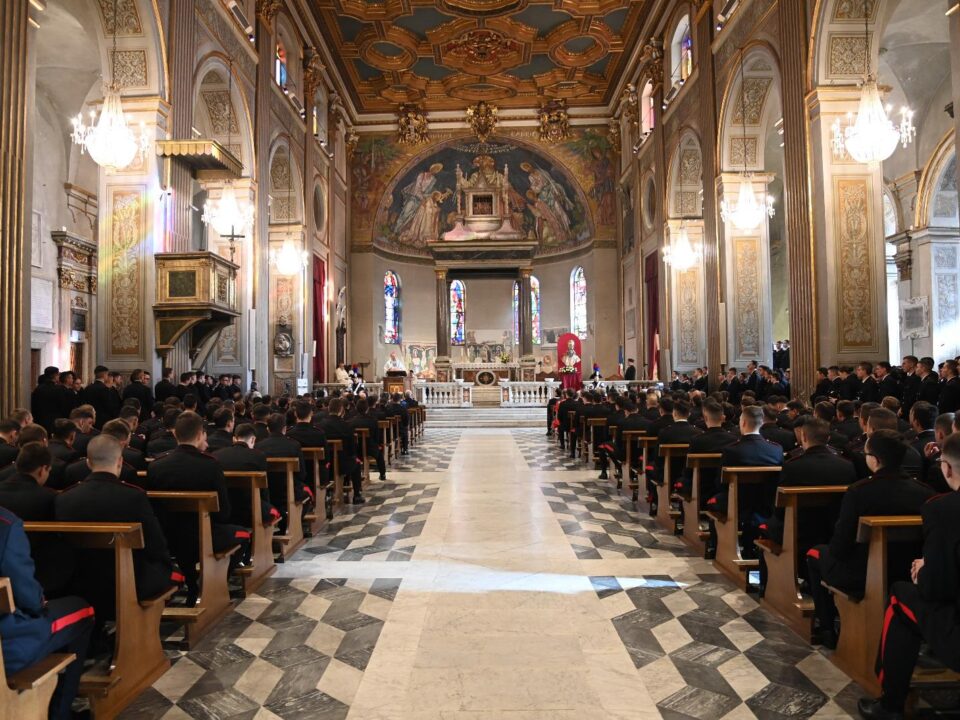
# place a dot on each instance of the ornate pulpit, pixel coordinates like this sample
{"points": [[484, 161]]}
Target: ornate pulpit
{"points": [[196, 294]]}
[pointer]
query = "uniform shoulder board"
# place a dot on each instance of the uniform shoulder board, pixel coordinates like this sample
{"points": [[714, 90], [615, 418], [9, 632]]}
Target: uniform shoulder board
{"points": [[131, 485], [938, 496]]}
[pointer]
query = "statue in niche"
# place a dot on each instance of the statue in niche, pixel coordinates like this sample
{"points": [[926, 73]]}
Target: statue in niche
{"points": [[283, 340]]}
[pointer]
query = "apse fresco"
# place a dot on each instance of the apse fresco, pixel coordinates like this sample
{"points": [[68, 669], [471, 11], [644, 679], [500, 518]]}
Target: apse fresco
{"points": [[562, 195]]}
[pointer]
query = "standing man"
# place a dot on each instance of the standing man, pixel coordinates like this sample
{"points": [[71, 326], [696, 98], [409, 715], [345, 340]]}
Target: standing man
{"points": [[140, 389], [630, 373]]}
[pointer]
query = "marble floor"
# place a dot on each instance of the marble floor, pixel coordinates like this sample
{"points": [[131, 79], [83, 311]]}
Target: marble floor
{"points": [[485, 586]]}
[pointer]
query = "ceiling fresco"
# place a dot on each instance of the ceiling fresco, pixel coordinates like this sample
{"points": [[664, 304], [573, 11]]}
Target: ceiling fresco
{"points": [[445, 54], [562, 195]]}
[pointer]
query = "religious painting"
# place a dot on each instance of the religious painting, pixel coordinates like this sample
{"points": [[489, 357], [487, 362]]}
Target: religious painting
{"points": [[552, 335], [563, 195]]}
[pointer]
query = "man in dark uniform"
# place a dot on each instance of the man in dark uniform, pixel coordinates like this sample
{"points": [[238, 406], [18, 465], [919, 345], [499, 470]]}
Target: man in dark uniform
{"points": [[713, 440], [84, 417], [632, 420], [139, 390], [887, 383], [567, 405], [165, 388], [336, 428], [307, 434], [910, 384], [770, 430], [242, 456], [24, 494], [843, 563], [9, 431], [222, 435], [950, 388], [61, 440], [278, 445], [187, 467], [868, 390], [883, 419], [99, 395], [397, 409], [102, 497], [261, 412], [363, 419], [40, 627], [923, 421], [47, 398], [163, 440], [929, 382], [847, 423], [927, 609], [79, 470], [734, 387], [679, 432], [824, 386], [630, 374]]}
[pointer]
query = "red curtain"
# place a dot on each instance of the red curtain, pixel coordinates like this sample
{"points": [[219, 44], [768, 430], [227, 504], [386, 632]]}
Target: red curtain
{"points": [[651, 277], [319, 326]]}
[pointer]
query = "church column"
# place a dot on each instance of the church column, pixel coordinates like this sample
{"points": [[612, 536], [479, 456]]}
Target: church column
{"points": [[686, 293], [13, 210], [851, 293], [525, 312], [955, 71], [259, 271], [443, 326], [312, 77], [747, 286], [804, 335]]}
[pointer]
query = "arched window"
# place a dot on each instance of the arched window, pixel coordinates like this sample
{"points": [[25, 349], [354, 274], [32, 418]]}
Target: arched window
{"points": [[646, 108], [681, 51], [578, 302], [391, 308], [534, 310], [458, 311], [280, 66]]}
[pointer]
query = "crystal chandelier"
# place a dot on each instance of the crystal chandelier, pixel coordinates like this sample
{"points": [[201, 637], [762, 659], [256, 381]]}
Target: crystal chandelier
{"points": [[289, 259], [749, 212], [110, 141], [680, 254], [230, 217], [871, 137]]}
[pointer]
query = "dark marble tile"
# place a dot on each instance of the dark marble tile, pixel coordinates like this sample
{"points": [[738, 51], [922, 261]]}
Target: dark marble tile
{"points": [[703, 654], [349, 621], [149, 705], [385, 588], [605, 586], [703, 677], [279, 619], [357, 646], [221, 656], [786, 702], [297, 681], [697, 703], [705, 633], [227, 703], [217, 680], [290, 656], [400, 556]]}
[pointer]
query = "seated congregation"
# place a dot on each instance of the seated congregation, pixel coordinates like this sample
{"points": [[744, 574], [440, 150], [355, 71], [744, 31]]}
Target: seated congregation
{"points": [[120, 511], [841, 515]]}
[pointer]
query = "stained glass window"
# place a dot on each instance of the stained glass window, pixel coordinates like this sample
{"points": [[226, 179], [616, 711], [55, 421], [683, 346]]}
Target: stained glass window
{"points": [[391, 308], [458, 312], [686, 55], [535, 309], [578, 302], [280, 66]]}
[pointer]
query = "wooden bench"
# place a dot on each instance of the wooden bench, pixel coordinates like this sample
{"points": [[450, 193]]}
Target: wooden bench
{"points": [[629, 438], [336, 476], [729, 559], [667, 515], [363, 440], [591, 432], [314, 520], [395, 429], [25, 695], [692, 534], [572, 431], [261, 564], [214, 599], [861, 619], [138, 657], [385, 439], [292, 541], [782, 594], [582, 440]]}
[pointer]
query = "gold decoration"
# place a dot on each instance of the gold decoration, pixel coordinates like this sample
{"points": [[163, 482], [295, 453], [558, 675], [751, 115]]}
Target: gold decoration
{"points": [[554, 121], [631, 104], [313, 68], [651, 57], [267, 9], [482, 118], [412, 126], [351, 140], [613, 134]]}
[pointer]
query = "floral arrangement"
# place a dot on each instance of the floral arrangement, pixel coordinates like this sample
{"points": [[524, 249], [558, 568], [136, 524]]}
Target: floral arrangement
{"points": [[505, 357], [567, 370]]}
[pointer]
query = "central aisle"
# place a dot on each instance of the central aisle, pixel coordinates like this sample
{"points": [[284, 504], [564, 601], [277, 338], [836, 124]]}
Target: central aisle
{"points": [[495, 612]]}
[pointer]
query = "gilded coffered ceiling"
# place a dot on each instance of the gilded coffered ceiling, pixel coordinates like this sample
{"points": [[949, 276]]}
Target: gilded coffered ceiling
{"points": [[444, 54]]}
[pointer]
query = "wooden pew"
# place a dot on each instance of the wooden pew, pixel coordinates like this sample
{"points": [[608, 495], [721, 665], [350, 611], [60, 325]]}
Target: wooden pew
{"points": [[314, 456], [336, 477], [729, 559], [630, 437], [289, 543], [138, 658], [667, 515], [261, 564], [692, 534], [782, 594], [214, 600], [385, 432], [363, 439], [25, 695], [583, 440], [591, 433], [395, 429], [572, 432]]}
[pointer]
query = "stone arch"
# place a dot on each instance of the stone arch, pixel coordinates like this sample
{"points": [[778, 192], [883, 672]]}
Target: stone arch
{"points": [[286, 36], [285, 184], [685, 178], [210, 114], [937, 198]]}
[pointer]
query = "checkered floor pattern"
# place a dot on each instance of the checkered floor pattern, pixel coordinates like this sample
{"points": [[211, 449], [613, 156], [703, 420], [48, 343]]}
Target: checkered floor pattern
{"points": [[431, 454], [297, 648], [385, 528], [600, 524], [704, 649], [543, 453]]}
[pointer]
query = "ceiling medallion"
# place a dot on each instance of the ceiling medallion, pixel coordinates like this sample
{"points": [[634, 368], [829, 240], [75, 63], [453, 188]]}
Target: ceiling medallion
{"points": [[482, 118], [412, 126], [554, 121], [482, 46]]}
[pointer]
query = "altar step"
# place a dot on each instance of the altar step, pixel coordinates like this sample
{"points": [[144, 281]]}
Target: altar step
{"points": [[482, 417], [485, 396]]}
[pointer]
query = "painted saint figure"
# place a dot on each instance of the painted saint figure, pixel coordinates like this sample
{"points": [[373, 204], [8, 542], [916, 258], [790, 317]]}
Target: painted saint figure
{"points": [[415, 195]]}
